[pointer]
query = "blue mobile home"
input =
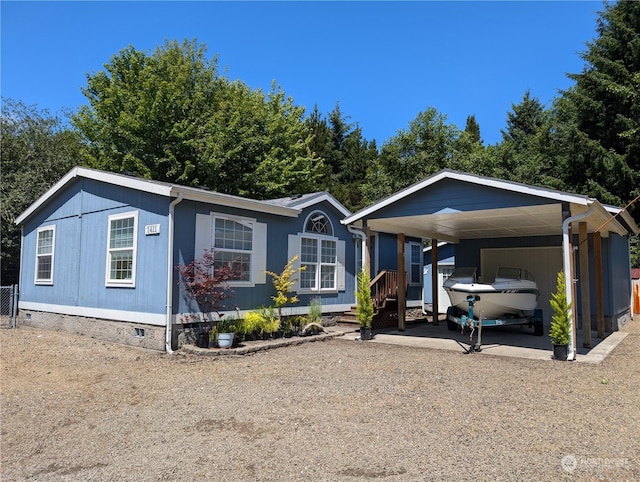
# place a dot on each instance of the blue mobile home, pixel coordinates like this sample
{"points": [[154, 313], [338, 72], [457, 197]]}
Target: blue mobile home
{"points": [[99, 252]]}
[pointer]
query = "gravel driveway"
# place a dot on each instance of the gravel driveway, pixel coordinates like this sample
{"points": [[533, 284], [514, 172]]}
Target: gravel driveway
{"points": [[74, 408]]}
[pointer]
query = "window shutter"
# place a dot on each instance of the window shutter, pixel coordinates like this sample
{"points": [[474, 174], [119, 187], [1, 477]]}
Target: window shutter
{"points": [[293, 248], [204, 234], [259, 261], [340, 248]]}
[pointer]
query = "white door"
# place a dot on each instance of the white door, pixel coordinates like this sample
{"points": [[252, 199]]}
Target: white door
{"points": [[443, 298]]}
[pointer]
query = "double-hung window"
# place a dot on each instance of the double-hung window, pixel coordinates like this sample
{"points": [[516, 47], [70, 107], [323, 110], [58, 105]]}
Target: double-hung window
{"points": [[415, 263], [233, 246], [121, 249], [44, 255], [318, 255]]}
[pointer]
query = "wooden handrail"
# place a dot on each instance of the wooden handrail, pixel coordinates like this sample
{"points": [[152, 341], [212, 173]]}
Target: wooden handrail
{"points": [[383, 286]]}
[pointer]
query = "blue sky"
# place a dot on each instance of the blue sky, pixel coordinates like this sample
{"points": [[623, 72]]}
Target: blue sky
{"points": [[384, 62]]}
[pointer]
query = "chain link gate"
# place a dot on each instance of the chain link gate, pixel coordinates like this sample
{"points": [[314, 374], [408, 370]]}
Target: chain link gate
{"points": [[8, 306]]}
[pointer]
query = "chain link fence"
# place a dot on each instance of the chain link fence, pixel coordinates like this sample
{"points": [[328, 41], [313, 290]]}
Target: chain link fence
{"points": [[8, 306]]}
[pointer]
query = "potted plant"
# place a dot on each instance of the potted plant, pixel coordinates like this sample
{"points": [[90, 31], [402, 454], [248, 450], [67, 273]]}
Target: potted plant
{"points": [[364, 309], [270, 322], [225, 329], [560, 321], [253, 321]]}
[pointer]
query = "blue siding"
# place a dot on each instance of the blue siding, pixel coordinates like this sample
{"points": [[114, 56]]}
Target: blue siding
{"points": [[388, 259], [618, 252], [453, 194], [387, 252], [80, 215], [278, 230]]}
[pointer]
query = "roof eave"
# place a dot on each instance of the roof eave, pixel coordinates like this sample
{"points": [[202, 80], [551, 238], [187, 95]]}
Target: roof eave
{"points": [[210, 197], [471, 178]]}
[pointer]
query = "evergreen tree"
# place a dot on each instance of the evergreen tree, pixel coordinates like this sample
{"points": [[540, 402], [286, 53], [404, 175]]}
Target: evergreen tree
{"points": [[427, 146], [599, 117], [524, 122], [473, 129]]}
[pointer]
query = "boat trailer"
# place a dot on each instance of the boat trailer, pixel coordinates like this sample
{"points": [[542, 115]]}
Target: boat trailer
{"points": [[467, 320]]}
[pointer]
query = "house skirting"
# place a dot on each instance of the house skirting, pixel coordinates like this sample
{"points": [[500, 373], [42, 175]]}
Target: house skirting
{"points": [[134, 334]]}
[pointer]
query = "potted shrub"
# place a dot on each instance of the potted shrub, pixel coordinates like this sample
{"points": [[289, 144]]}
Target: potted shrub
{"points": [[253, 321], [225, 330], [364, 309], [560, 321], [270, 322]]}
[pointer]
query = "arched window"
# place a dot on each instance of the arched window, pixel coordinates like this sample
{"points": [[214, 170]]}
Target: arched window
{"points": [[318, 254], [318, 223]]}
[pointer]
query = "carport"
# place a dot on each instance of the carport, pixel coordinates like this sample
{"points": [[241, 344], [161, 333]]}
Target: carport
{"points": [[495, 221]]}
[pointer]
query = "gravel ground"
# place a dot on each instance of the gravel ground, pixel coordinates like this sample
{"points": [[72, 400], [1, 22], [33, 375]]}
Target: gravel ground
{"points": [[74, 408]]}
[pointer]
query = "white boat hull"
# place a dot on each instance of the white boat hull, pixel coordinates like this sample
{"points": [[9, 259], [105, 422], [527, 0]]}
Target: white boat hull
{"points": [[504, 298]]}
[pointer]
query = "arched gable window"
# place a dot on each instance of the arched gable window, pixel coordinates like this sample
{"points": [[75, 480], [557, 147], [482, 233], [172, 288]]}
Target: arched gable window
{"points": [[318, 223], [318, 254]]}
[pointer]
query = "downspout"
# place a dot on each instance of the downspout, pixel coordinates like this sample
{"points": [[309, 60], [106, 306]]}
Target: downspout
{"points": [[566, 265], [363, 236], [168, 331]]}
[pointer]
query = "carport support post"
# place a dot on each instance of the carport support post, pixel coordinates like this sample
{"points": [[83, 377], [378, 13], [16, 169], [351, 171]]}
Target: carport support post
{"points": [[435, 289], [585, 295], [402, 284]]}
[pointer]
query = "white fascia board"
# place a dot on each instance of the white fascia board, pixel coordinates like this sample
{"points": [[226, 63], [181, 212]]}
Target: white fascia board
{"points": [[393, 198], [159, 188], [624, 214], [131, 182], [474, 179], [325, 196], [50, 192], [102, 176], [212, 197]]}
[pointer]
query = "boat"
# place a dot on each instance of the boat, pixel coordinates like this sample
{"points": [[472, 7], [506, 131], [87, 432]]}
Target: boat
{"points": [[512, 294]]}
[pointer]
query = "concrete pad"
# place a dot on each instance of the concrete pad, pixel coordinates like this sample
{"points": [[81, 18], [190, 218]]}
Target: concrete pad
{"points": [[511, 341]]}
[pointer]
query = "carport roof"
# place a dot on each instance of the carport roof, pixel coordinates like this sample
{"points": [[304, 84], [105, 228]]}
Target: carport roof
{"points": [[529, 219]]}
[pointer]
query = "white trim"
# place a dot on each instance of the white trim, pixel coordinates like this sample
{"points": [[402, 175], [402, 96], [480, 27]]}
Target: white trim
{"points": [[319, 264], [252, 256], [319, 211], [473, 179], [122, 283], [156, 319], [325, 196], [212, 197], [159, 188], [45, 281]]}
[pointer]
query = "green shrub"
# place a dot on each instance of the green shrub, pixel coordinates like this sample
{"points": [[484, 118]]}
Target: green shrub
{"points": [[253, 322], [315, 311], [364, 310], [560, 320]]}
